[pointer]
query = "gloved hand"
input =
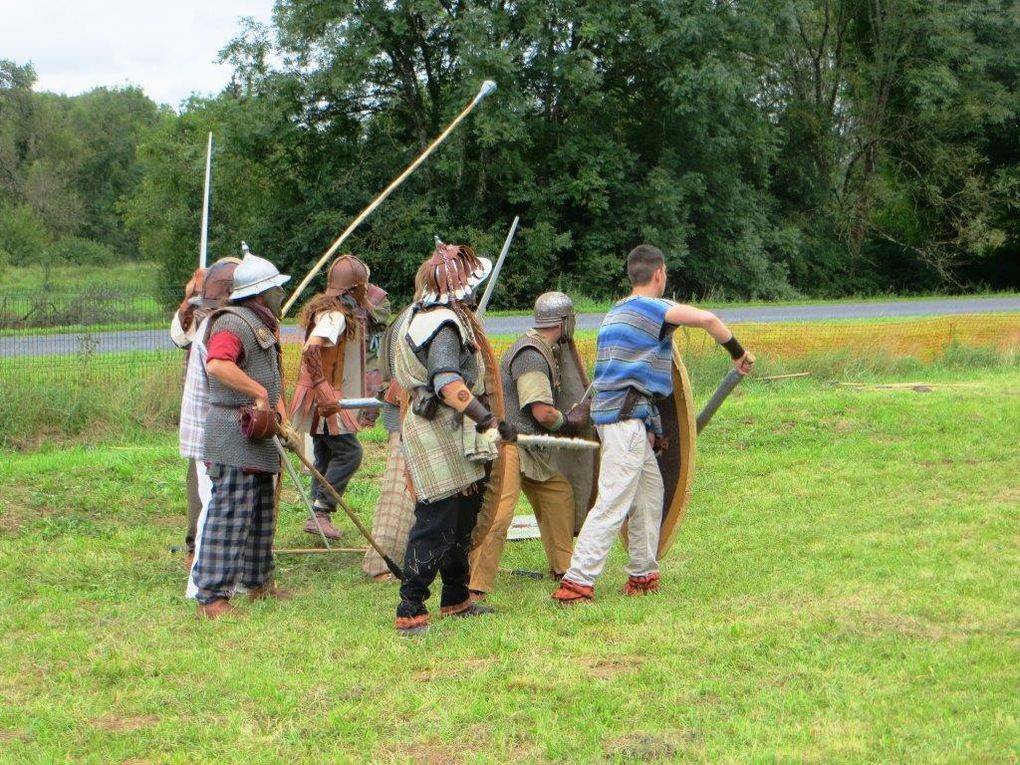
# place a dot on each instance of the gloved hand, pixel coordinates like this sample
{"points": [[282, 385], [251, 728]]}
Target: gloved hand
{"points": [[501, 431], [577, 419], [506, 431]]}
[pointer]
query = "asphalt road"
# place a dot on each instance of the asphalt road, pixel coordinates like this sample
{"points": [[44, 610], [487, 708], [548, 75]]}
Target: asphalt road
{"points": [[154, 339]]}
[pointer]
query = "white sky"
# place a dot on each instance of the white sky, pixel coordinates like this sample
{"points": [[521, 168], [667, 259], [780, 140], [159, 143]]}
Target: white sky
{"points": [[167, 47]]}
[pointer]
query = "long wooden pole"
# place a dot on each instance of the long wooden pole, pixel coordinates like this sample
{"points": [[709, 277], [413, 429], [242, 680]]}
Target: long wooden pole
{"points": [[390, 563], [487, 87]]}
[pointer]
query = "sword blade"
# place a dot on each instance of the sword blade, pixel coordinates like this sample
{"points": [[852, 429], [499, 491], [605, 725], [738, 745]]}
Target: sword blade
{"points": [[731, 381], [559, 443], [484, 302]]}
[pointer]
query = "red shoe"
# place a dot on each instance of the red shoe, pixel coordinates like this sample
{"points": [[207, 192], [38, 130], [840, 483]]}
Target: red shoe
{"points": [[571, 593], [641, 585]]}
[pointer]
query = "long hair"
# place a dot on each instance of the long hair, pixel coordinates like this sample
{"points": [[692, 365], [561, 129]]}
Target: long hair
{"points": [[321, 302]]}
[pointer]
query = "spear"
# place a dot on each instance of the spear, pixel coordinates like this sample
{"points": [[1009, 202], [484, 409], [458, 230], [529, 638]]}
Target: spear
{"points": [[487, 87], [203, 247]]}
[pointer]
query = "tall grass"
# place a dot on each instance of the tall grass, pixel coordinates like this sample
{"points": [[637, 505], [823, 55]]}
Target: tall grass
{"points": [[82, 403]]}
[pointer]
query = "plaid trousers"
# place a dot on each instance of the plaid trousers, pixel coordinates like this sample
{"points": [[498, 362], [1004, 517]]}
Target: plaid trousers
{"points": [[237, 537], [394, 513]]}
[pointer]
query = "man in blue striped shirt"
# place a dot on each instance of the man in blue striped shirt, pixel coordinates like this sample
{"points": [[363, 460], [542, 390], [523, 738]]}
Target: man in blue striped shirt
{"points": [[633, 368]]}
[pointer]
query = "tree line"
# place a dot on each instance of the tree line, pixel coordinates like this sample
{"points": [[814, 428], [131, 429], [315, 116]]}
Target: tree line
{"points": [[771, 149]]}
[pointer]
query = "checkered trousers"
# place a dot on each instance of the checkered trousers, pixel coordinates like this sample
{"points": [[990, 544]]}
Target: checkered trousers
{"points": [[237, 538]]}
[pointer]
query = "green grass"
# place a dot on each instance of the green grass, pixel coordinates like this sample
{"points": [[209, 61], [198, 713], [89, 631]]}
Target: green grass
{"points": [[843, 591], [131, 276]]}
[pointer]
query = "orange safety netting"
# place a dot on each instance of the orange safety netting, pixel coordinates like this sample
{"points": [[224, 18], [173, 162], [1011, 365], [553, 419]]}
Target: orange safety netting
{"points": [[922, 338]]}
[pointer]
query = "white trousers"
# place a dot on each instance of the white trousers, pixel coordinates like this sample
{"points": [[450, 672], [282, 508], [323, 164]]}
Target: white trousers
{"points": [[204, 494], [630, 486]]}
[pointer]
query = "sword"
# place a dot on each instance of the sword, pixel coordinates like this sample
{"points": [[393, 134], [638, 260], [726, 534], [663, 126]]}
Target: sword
{"points": [[524, 439], [360, 403], [731, 381], [484, 302]]}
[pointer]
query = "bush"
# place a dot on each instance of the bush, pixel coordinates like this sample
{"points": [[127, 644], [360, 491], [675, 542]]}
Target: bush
{"points": [[80, 252], [23, 234]]}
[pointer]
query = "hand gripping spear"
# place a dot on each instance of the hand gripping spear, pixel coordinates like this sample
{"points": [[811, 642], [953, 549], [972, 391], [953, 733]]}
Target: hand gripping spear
{"points": [[487, 87]]}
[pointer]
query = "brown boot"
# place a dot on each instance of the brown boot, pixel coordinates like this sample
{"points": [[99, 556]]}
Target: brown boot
{"points": [[268, 590], [217, 608], [328, 530]]}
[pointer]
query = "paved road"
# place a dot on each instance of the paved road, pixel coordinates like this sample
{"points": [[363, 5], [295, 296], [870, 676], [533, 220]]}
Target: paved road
{"points": [[147, 340]]}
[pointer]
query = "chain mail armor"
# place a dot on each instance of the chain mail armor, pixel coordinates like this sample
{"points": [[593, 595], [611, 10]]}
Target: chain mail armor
{"points": [[529, 354], [224, 443]]}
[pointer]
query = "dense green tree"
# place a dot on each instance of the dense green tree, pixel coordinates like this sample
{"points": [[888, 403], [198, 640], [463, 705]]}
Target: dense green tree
{"points": [[818, 146]]}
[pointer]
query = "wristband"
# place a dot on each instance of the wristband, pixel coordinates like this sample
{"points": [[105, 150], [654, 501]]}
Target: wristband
{"points": [[560, 421], [476, 411], [735, 349]]}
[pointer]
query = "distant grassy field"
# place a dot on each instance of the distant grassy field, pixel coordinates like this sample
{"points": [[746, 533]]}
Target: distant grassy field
{"points": [[843, 591], [133, 276]]}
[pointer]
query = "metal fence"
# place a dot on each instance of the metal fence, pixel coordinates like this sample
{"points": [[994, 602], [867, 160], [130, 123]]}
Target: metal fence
{"points": [[105, 336], [38, 310]]}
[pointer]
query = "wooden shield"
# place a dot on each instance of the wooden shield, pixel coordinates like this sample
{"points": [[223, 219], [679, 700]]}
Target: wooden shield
{"points": [[580, 467], [676, 463]]}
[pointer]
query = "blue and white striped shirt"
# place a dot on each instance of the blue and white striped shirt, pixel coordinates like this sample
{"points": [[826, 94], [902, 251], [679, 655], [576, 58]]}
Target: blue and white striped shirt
{"points": [[634, 350]]}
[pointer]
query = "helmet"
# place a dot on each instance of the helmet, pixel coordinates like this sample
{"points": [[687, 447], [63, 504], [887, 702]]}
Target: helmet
{"points": [[219, 281], [452, 273], [255, 275], [347, 273], [553, 309]]}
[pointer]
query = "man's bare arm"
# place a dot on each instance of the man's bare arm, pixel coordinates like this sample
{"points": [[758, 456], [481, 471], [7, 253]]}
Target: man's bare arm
{"points": [[689, 316]]}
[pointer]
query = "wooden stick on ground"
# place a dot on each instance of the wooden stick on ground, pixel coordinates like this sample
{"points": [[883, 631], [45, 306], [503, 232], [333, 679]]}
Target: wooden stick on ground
{"points": [[317, 550]]}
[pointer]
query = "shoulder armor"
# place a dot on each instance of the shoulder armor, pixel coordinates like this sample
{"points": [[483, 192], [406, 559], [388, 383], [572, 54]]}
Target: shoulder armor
{"points": [[424, 325]]}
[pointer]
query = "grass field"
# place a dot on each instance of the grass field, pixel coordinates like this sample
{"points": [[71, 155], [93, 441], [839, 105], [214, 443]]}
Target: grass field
{"points": [[843, 590], [130, 276]]}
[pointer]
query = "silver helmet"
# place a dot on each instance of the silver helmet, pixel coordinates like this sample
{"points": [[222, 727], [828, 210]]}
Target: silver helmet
{"points": [[553, 309], [255, 275]]}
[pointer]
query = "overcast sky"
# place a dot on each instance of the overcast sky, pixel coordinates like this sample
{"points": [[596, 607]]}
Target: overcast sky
{"points": [[168, 47]]}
